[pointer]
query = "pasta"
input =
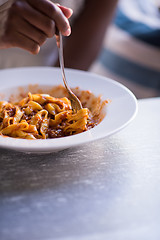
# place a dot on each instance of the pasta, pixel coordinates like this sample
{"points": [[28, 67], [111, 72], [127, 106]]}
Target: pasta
{"points": [[41, 116]]}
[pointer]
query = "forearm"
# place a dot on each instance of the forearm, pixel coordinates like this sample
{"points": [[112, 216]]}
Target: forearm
{"points": [[88, 31]]}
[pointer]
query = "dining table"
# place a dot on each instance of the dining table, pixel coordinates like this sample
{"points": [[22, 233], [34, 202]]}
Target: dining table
{"points": [[108, 189]]}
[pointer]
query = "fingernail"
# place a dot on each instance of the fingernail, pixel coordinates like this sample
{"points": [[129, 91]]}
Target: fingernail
{"points": [[68, 31], [71, 10]]}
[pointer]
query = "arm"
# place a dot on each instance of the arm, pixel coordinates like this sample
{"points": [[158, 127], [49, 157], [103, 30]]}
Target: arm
{"points": [[28, 23], [84, 44]]}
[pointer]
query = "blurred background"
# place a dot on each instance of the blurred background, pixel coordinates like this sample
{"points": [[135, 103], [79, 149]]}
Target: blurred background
{"points": [[131, 48]]}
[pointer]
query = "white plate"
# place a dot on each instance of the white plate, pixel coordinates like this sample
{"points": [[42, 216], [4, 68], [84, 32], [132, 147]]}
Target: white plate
{"points": [[120, 112]]}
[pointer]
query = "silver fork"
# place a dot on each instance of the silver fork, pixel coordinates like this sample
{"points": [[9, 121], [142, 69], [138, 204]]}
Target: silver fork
{"points": [[75, 102]]}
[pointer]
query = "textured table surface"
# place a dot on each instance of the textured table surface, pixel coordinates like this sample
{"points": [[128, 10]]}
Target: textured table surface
{"points": [[107, 190]]}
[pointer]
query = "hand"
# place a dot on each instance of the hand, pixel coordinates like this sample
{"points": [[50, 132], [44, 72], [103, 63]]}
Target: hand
{"points": [[31, 22]]}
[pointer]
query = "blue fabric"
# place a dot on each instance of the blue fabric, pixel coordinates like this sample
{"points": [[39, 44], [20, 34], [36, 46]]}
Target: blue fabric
{"points": [[137, 29], [130, 70]]}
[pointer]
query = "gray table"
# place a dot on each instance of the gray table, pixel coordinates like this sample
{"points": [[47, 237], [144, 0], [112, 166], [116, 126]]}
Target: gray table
{"points": [[108, 190]]}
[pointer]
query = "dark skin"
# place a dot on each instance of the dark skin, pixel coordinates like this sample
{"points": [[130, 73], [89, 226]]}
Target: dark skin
{"points": [[84, 44], [31, 22]]}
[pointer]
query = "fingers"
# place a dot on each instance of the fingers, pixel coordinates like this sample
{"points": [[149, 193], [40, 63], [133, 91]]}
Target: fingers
{"points": [[31, 22], [25, 29], [16, 39], [35, 18], [55, 13]]}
